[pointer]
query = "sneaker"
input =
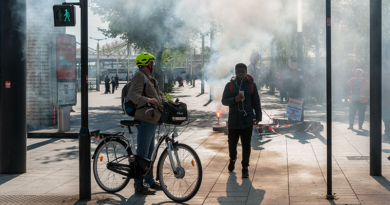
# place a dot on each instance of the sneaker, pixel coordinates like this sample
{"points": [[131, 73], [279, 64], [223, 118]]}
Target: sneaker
{"points": [[245, 173], [156, 186], [144, 190], [231, 165]]}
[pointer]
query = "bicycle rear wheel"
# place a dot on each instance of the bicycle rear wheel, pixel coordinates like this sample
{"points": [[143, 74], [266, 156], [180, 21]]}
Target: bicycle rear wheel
{"points": [[183, 185], [113, 151]]}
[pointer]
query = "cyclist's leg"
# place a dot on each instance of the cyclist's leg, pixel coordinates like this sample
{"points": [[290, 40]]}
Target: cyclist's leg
{"points": [[145, 138], [149, 176]]}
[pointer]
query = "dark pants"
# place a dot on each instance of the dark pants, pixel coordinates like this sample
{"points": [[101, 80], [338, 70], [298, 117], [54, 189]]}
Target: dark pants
{"points": [[113, 88], [166, 87], [283, 95], [234, 135], [107, 88], [357, 106]]}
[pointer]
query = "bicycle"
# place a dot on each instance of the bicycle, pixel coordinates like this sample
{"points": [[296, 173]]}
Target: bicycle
{"points": [[179, 169]]}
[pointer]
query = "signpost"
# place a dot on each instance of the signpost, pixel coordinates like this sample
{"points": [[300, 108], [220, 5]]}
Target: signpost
{"points": [[63, 77], [84, 136]]}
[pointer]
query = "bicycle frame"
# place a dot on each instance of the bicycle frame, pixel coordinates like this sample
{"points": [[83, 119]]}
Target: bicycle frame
{"points": [[131, 144]]}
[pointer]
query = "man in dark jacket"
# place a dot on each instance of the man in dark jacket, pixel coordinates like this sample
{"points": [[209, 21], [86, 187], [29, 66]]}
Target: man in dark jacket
{"points": [[244, 111], [116, 81], [107, 84], [293, 82], [113, 83]]}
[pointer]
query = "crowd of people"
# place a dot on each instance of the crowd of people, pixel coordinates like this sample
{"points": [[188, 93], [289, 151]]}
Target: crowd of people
{"points": [[114, 81]]}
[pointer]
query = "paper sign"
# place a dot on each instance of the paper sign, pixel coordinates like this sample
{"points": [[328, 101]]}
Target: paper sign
{"points": [[294, 108], [327, 21], [7, 84]]}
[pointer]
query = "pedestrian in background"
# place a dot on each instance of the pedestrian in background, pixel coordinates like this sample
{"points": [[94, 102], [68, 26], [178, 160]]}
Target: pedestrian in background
{"points": [[113, 83], [252, 67], [294, 83], [166, 80], [116, 81], [107, 84], [241, 96], [358, 97]]}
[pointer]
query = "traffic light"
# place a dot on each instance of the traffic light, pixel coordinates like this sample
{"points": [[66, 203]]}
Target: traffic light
{"points": [[64, 15]]}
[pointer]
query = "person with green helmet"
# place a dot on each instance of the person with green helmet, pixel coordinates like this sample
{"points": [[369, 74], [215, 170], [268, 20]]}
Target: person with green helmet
{"points": [[142, 93]]}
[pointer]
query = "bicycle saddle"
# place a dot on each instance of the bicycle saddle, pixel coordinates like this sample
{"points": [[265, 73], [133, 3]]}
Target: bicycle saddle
{"points": [[129, 123]]}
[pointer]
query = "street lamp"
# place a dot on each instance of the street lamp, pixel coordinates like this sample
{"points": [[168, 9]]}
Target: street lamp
{"points": [[97, 63]]}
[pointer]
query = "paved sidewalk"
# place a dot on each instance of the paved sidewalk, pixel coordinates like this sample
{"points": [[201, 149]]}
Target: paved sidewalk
{"points": [[284, 169]]}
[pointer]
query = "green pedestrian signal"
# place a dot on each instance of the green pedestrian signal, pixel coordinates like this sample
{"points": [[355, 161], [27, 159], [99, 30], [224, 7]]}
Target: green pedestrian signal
{"points": [[67, 15], [64, 15]]}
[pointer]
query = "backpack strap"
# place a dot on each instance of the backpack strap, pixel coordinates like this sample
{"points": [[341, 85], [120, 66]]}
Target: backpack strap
{"points": [[145, 82]]}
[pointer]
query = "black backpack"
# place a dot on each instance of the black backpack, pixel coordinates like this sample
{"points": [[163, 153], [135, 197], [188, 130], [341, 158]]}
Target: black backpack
{"points": [[127, 105]]}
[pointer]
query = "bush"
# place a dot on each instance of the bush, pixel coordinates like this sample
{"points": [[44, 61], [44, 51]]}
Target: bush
{"points": [[170, 88], [169, 98]]}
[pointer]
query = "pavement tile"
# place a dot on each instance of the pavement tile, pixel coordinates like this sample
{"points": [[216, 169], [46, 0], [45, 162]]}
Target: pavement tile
{"points": [[285, 169]]}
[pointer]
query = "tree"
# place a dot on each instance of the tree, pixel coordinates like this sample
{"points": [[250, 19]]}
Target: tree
{"points": [[148, 25]]}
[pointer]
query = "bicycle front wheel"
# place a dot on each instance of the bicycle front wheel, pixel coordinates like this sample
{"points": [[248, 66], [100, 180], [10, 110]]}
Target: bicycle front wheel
{"points": [[185, 183], [113, 151]]}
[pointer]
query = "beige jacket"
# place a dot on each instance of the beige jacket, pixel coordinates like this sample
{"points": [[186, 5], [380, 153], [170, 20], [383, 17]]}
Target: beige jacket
{"points": [[151, 91]]}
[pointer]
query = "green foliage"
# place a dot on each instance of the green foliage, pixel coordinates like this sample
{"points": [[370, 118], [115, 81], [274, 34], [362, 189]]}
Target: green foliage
{"points": [[168, 97], [170, 88]]}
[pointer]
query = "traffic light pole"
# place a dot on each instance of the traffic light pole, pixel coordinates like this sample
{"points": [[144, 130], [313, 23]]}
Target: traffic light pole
{"points": [[329, 194], [84, 135], [13, 87]]}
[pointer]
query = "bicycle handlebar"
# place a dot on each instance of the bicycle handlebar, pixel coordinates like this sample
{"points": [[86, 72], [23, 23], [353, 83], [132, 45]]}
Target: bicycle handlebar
{"points": [[146, 105]]}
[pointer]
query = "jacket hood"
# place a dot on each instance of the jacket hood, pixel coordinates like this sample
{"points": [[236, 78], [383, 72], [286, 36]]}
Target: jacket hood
{"points": [[248, 77]]}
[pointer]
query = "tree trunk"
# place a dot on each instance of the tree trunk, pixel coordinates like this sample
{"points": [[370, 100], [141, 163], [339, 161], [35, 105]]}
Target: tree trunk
{"points": [[158, 69]]}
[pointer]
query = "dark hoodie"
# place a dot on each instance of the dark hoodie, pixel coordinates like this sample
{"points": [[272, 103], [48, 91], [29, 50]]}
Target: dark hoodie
{"points": [[237, 120]]}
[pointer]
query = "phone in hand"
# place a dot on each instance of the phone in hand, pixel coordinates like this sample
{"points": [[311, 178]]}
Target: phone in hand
{"points": [[241, 93]]}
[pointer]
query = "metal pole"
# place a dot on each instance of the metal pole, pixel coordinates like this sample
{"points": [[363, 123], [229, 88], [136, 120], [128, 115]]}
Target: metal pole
{"points": [[329, 100], [117, 62], [128, 68], [98, 69], [211, 52], [84, 136], [193, 70], [202, 82], [13, 87], [375, 87]]}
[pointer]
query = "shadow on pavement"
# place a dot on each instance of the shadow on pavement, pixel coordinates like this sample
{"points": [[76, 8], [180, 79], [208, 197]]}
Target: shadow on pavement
{"points": [[40, 144], [255, 195]]}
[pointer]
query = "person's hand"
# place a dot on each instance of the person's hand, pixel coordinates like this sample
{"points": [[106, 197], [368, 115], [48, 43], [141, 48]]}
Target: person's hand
{"points": [[152, 101], [256, 122], [239, 98]]}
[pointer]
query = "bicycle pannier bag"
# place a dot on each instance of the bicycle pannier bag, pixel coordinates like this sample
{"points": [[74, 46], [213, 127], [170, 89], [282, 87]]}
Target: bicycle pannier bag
{"points": [[174, 113], [143, 164], [127, 105]]}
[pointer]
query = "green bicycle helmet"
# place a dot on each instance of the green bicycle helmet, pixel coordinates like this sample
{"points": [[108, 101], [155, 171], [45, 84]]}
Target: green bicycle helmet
{"points": [[144, 59]]}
